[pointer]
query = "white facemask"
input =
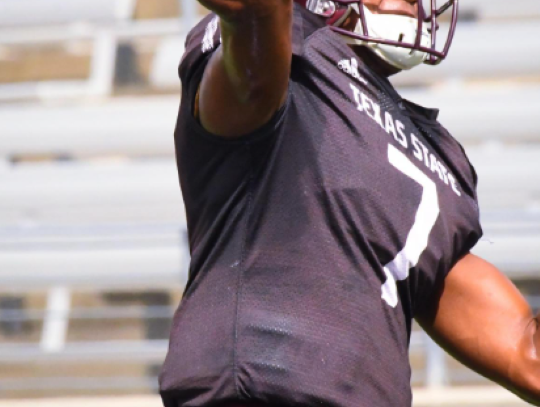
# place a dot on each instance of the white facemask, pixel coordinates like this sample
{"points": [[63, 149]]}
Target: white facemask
{"points": [[396, 28]]}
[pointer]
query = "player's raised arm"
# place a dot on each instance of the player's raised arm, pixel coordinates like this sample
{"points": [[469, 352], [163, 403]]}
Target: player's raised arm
{"points": [[481, 318], [246, 80]]}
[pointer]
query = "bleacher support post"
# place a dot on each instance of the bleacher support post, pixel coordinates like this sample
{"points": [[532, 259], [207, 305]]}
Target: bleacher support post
{"points": [[436, 371], [103, 63], [189, 13], [56, 321]]}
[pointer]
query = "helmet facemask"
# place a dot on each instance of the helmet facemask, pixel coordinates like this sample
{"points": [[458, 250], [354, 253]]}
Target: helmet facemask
{"points": [[402, 41]]}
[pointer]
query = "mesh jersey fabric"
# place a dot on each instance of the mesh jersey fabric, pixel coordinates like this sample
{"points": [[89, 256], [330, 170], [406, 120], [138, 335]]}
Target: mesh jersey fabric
{"points": [[295, 229]]}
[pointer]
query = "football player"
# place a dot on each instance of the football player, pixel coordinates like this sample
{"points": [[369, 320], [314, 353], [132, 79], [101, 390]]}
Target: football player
{"points": [[325, 212]]}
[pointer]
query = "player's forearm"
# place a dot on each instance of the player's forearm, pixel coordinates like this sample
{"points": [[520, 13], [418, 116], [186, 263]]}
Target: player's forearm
{"points": [[256, 47], [246, 80], [257, 57]]}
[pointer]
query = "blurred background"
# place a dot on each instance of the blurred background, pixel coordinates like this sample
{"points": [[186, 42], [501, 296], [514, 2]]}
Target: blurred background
{"points": [[93, 251]]}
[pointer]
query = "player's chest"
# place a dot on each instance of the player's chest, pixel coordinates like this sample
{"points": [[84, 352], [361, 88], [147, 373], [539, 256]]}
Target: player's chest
{"points": [[360, 125], [375, 157]]}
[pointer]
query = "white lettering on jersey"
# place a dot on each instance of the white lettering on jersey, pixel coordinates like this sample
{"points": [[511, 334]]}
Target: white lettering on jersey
{"points": [[444, 172], [454, 184], [416, 145], [397, 130], [366, 104], [435, 166], [350, 66], [389, 124], [356, 95], [377, 113], [401, 139], [422, 153], [209, 32], [425, 150], [417, 239]]}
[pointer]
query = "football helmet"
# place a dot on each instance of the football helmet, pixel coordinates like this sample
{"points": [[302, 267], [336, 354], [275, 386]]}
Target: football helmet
{"points": [[402, 41]]}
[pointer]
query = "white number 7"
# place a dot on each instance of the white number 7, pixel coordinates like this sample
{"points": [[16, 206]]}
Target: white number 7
{"points": [[417, 239]]}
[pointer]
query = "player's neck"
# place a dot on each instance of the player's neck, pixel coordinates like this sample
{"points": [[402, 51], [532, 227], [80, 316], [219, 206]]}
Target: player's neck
{"points": [[374, 62]]}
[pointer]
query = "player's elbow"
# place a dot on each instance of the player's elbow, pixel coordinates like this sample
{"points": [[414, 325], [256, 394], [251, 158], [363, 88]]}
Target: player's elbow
{"points": [[531, 390], [260, 101], [526, 369], [529, 386], [261, 93]]}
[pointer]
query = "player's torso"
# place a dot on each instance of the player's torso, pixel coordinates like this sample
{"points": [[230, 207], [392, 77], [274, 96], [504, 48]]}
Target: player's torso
{"points": [[351, 216], [366, 174]]}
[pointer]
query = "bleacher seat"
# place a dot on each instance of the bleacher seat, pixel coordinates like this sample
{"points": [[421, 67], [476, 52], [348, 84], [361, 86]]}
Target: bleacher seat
{"points": [[514, 253], [484, 51], [477, 114], [145, 126], [16, 13], [96, 225], [508, 176], [100, 194], [156, 9], [127, 260], [500, 9], [130, 126], [164, 71]]}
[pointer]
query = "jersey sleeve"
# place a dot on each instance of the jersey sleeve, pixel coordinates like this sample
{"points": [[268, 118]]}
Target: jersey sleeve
{"points": [[214, 171], [464, 230], [475, 231]]}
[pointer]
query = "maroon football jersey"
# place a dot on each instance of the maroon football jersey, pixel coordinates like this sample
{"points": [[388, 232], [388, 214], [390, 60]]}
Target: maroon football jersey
{"points": [[315, 239]]}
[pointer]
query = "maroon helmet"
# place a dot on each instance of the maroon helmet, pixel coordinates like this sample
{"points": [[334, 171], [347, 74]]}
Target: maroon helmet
{"points": [[337, 11]]}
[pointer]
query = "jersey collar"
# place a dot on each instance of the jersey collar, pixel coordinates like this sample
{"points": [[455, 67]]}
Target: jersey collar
{"points": [[305, 23]]}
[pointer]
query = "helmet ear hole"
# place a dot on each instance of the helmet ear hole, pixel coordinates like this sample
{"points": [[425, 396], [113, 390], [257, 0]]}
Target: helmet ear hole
{"points": [[400, 39]]}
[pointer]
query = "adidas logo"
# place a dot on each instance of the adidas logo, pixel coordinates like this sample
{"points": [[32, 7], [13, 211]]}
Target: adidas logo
{"points": [[350, 66]]}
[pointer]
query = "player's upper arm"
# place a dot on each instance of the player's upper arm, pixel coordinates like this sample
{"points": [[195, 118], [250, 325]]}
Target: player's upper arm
{"points": [[481, 318], [246, 80]]}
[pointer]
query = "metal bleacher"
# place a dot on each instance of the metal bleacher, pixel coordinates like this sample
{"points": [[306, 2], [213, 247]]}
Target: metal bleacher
{"points": [[54, 12], [92, 232], [121, 126], [481, 51], [475, 116], [500, 9], [89, 193]]}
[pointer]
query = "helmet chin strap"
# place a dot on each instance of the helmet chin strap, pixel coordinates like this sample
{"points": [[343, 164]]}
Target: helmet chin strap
{"points": [[390, 27]]}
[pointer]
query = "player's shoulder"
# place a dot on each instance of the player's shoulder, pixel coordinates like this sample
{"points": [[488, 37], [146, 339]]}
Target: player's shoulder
{"points": [[201, 40], [205, 35], [459, 158]]}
